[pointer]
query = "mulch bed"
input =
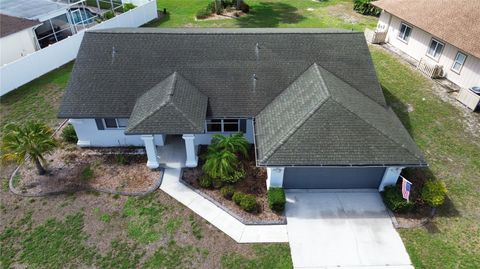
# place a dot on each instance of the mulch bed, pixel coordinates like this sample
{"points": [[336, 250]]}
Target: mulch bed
{"points": [[66, 171], [254, 183]]}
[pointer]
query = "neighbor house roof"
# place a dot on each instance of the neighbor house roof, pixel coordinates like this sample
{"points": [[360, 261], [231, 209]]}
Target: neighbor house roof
{"points": [[321, 120], [10, 25], [240, 70], [455, 21], [173, 106]]}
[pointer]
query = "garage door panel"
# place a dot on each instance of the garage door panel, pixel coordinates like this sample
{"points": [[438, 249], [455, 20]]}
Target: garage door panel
{"points": [[332, 178]]}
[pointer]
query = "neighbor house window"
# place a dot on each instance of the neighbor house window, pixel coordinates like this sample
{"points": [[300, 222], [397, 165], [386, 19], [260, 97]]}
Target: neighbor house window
{"points": [[459, 61], [405, 32], [111, 123], [226, 125], [435, 49]]}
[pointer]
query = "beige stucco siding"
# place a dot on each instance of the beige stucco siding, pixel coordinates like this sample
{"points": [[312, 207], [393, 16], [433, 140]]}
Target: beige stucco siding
{"points": [[17, 45], [417, 47]]}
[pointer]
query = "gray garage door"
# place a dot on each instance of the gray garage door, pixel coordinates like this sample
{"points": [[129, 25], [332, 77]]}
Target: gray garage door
{"points": [[332, 178]]}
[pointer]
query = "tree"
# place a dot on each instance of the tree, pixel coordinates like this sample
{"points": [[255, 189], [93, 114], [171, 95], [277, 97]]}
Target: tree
{"points": [[33, 138], [235, 144], [220, 164]]}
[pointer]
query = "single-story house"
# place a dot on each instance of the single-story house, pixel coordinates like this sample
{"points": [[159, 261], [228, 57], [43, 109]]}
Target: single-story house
{"points": [[307, 99], [17, 38], [441, 34]]}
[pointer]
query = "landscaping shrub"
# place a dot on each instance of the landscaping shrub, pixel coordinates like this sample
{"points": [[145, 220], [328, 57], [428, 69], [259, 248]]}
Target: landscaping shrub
{"points": [[227, 192], [128, 6], [237, 176], [276, 199], [217, 183], [248, 203], [205, 182], [108, 15], [237, 197], [392, 196], [121, 159], [433, 193], [202, 14], [69, 135], [365, 7]]}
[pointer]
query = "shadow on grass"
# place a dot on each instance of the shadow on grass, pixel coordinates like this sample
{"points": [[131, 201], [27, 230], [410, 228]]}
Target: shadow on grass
{"points": [[267, 14]]}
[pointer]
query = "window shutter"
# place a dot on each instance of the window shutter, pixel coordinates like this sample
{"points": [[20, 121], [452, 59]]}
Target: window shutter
{"points": [[243, 126], [99, 123]]}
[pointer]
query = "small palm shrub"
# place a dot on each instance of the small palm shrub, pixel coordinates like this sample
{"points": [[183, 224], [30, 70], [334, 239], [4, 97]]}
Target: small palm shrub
{"points": [[227, 192], [221, 164], [69, 135], [365, 7], [236, 144], [433, 193], [205, 182], [276, 199], [108, 15], [33, 138], [392, 196]]}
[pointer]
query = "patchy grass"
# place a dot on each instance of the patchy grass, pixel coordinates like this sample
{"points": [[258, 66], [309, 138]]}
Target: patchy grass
{"points": [[270, 13], [122, 255], [266, 257], [175, 256], [196, 230], [453, 239], [145, 221], [37, 100]]}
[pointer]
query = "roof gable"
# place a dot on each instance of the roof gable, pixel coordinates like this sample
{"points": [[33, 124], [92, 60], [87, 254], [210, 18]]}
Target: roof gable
{"points": [[322, 120], [173, 106]]}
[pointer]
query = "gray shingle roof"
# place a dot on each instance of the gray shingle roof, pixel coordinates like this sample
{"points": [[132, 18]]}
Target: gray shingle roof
{"points": [[173, 106], [114, 67], [322, 120]]}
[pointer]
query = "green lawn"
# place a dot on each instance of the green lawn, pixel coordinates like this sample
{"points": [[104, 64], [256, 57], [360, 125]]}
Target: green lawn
{"points": [[271, 13], [453, 240]]}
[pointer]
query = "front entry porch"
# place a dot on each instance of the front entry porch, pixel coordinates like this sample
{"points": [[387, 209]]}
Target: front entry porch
{"points": [[177, 151]]}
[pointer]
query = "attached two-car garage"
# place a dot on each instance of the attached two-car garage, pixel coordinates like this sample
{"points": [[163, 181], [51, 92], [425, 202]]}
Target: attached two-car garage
{"points": [[332, 177]]}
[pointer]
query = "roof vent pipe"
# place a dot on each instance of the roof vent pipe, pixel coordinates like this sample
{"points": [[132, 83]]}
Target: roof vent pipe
{"points": [[254, 81], [113, 54], [257, 52]]}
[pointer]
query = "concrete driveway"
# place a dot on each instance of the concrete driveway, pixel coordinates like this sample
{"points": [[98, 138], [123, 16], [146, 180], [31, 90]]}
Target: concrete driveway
{"points": [[346, 229]]}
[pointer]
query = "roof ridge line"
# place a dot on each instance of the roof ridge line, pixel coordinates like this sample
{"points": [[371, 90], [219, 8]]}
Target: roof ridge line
{"points": [[353, 87], [378, 130], [308, 115]]}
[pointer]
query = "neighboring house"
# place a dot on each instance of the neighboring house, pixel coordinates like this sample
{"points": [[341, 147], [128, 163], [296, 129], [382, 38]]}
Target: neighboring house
{"points": [[309, 100], [17, 38], [443, 33]]}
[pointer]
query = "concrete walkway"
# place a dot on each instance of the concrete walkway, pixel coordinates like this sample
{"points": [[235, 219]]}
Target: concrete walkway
{"points": [[342, 229], [238, 231]]}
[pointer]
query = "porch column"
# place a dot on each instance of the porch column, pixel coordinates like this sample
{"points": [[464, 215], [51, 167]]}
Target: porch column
{"points": [[151, 149], [191, 150], [275, 177], [390, 177]]}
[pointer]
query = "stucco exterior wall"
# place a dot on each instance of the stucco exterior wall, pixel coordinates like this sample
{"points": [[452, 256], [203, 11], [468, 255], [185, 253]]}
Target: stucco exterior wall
{"points": [[205, 139], [89, 136], [417, 47], [17, 45]]}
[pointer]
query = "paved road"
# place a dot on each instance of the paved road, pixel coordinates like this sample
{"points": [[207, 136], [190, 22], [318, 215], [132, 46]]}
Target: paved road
{"points": [[346, 229]]}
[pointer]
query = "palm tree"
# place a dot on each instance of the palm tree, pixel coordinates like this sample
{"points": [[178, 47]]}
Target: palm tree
{"points": [[235, 143], [220, 164], [32, 139]]}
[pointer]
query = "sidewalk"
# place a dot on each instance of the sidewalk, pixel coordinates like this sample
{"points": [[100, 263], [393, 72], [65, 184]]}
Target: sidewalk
{"points": [[238, 231]]}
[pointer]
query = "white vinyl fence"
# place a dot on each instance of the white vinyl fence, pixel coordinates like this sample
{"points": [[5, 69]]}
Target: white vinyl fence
{"points": [[32, 66]]}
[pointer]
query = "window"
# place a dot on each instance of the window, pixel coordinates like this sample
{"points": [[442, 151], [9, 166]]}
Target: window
{"points": [[224, 125], [112, 123], [459, 61], [435, 49], [405, 32]]}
